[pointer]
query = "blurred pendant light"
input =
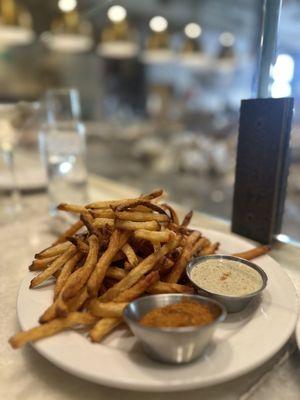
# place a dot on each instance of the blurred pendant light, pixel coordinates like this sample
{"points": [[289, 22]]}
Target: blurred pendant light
{"points": [[158, 48], [69, 33], [226, 59], [15, 24], [192, 54], [118, 40]]}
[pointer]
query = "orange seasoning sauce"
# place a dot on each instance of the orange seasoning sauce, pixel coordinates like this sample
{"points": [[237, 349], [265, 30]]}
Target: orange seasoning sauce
{"points": [[185, 313]]}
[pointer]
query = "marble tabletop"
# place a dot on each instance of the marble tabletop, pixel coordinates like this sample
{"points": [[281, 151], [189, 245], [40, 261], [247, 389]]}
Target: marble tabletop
{"points": [[28, 376]]}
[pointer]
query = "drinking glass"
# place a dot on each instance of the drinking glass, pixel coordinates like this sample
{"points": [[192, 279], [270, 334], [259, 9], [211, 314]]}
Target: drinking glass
{"points": [[10, 202], [62, 141]]}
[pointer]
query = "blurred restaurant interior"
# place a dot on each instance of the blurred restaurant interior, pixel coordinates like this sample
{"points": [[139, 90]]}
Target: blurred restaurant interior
{"points": [[160, 85]]}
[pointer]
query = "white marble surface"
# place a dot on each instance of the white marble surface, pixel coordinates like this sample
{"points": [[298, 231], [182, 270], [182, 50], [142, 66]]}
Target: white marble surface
{"points": [[26, 375]]}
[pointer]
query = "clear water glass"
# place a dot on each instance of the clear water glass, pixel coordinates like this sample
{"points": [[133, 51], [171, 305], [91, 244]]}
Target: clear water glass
{"points": [[63, 147]]}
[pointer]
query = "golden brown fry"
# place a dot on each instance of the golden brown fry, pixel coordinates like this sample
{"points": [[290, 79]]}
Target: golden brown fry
{"points": [[144, 203], [142, 269], [102, 222], [88, 221], [80, 244], [173, 214], [139, 288], [73, 208], [253, 253], [130, 254], [103, 327], [187, 219], [53, 267], [79, 278], [41, 264], [211, 249], [66, 271], [111, 309], [116, 203], [139, 216], [54, 250], [117, 241], [165, 287], [181, 263], [154, 237], [132, 226], [115, 273], [69, 232], [103, 213], [50, 328]]}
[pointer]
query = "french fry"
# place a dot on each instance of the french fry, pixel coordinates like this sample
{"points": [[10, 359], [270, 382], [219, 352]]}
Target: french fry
{"points": [[66, 271], [136, 273], [103, 213], [144, 203], [138, 216], [78, 278], [132, 226], [111, 309], [88, 221], [165, 287], [116, 203], [173, 214], [82, 247], [187, 219], [53, 267], [55, 250], [253, 253], [50, 328], [154, 237], [115, 273], [103, 327], [41, 264], [69, 232], [102, 222], [211, 249], [139, 288], [130, 254], [117, 241], [181, 263], [73, 208]]}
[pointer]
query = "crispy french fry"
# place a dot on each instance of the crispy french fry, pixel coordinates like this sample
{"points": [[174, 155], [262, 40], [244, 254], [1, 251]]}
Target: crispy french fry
{"points": [[115, 273], [41, 264], [103, 213], [66, 271], [165, 287], [103, 327], [139, 216], [187, 219], [181, 263], [116, 203], [173, 214], [88, 221], [55, 250], [69, 232], [73, 208], [50, 328], [82, 247], [102, 222], [130, 254], [139, 288], [117, 241], [132, 226], [253, 253], [211, 249], [154, 237], [144, 203], [78, 279], [53, 267], [136, 273], [111, 309]]}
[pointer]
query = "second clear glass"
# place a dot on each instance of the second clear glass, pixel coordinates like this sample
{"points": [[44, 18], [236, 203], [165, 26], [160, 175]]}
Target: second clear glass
{"points": [[63, 146]]}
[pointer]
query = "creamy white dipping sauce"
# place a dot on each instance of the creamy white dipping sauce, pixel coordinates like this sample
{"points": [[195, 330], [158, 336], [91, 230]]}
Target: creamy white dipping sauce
{"points": [[226, 277]]}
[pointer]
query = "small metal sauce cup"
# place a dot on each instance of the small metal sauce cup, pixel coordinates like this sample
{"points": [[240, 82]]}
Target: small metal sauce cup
{"points": [[171, 345], [232, 303]]}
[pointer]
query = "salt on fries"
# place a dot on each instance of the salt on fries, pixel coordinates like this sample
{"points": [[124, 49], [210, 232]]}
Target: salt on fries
{"points": [[117, 251]]}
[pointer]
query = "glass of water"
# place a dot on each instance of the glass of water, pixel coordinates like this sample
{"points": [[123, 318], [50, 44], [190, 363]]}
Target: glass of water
{"points": [[63, 147]]}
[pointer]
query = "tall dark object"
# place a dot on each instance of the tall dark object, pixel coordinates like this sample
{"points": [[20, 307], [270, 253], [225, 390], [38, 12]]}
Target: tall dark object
{"points": [[262, 167]]}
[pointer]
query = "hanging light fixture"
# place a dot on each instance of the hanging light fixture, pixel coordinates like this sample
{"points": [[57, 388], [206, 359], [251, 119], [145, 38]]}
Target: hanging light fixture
{"points": [[226, 55], [118, 40], [158, 48], [15, 24], [69, 33], [192, 54]]}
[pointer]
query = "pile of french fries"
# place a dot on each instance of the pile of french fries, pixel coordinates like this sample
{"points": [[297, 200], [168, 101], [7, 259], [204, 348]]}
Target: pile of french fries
{"points": [[116, 252]]}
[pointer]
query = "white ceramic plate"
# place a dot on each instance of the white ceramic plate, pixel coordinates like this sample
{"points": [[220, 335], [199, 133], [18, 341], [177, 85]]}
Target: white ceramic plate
{"points": [[242, 343]]}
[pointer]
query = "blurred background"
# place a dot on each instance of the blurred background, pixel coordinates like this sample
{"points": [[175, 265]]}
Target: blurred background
{"points": [[160, 83]]}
